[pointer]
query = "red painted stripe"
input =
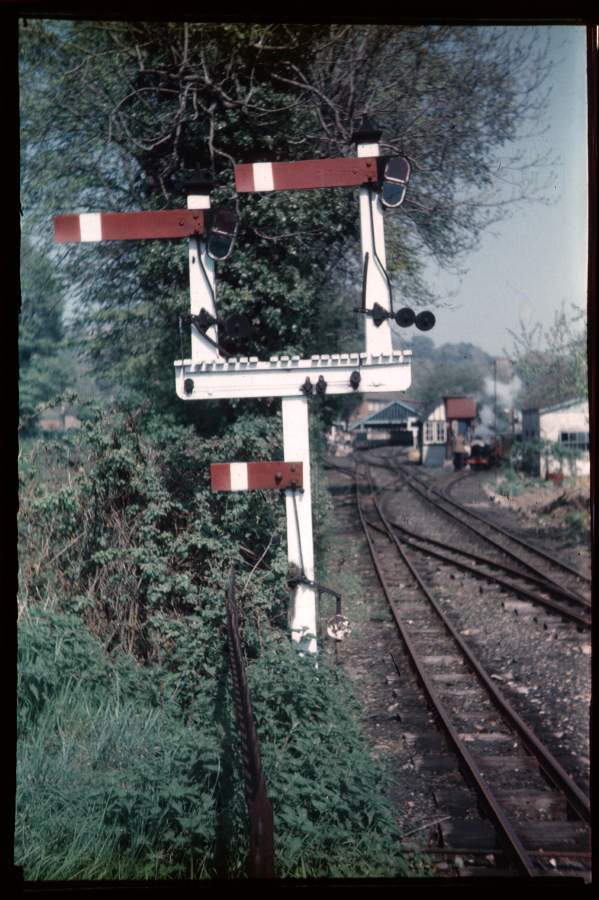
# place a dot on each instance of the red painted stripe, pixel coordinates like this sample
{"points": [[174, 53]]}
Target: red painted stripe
{"points": [[313, 173], [244, 178], [166, 223], [220, 476], [274, 475], [261, 475], [66, 229]]}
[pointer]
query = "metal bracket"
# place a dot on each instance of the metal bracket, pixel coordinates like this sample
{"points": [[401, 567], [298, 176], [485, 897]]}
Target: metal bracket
{"points": [[378, 313], [354, 380], [321, 386], [296, 577]]}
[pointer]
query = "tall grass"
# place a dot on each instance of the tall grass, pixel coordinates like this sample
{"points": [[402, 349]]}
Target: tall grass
{"points": [[128, 754], [110, 782]]}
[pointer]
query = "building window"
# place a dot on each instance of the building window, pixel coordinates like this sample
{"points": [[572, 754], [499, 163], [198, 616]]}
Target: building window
{"points": [[575, 440], [434, 432]]}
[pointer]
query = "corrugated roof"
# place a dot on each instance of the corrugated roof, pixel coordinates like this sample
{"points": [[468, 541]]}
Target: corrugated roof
{"points": [[460, 407], [392, 414], [563, 405]]}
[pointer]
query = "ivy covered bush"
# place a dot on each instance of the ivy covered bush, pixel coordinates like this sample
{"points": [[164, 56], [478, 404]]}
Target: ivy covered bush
{"points": [[128, 754]]}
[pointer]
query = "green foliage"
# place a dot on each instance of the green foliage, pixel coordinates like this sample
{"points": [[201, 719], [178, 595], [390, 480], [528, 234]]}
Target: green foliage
{"points": [[512, 483], [552, 361], [111, 781], [129, 759], [452, 369], [329, 805], [116, 114], [45, 368], [526, 455], [139, 533]]}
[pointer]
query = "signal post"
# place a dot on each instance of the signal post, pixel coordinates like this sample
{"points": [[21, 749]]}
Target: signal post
{"points": [[212, 373]]}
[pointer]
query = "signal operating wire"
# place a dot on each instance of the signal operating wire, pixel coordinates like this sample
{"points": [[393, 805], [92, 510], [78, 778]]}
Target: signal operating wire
{"points": [[299, 536], [375, 254], [205, 273]]}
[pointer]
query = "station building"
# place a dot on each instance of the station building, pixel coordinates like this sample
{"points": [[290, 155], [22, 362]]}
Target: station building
{"points": [[393, 422], [558, 438]]}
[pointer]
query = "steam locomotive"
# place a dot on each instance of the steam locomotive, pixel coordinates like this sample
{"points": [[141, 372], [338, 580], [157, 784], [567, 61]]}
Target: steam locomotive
{"points": [[484, 455]]}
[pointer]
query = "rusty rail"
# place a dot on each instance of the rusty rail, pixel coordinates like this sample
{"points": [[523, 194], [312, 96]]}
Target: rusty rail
{"points": [[551, 768], [261, 854]]}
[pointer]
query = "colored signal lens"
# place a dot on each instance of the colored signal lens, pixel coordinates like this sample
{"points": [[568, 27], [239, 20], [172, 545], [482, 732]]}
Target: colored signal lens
{"points": [[237, 326], [393, 195], [405, 317], [397, 169], [396, 175], [425, 321], [222, 234]]}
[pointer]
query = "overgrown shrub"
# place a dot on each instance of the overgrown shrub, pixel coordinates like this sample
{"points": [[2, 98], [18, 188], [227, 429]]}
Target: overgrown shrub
{"points": [[129, 760]]}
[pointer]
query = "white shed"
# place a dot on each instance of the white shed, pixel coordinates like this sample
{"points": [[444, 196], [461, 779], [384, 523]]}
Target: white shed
{"points": [[566, 425]]}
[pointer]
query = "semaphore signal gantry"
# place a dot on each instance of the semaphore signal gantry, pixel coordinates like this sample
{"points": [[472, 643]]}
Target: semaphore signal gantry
{"points": [[213, 373]]}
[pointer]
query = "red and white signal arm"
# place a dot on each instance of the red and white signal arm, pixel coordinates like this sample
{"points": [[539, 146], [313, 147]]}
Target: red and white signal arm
{"points": [[132, 226], [306, 174], [255, 476]]}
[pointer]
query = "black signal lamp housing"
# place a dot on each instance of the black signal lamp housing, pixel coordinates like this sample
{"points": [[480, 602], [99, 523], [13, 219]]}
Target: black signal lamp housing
{"points": [[395, 176], [237, 326], [405, 317], [425, 320]]}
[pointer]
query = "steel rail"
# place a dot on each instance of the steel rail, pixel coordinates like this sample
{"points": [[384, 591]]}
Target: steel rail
{"points": [[553, 770], [549, 765], [510, 570], [425, 491], [487, 576], [514, 843], [556, 562]]}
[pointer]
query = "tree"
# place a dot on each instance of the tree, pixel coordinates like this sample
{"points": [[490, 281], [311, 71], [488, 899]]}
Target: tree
{"points": [[552, 361], [45, 368], [452, 369], [115, 115]]}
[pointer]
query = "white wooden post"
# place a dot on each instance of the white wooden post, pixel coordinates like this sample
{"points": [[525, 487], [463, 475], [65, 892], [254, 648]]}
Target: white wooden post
{"points": [[378, 339], [208, 376], [201, 292], [300, 544]]}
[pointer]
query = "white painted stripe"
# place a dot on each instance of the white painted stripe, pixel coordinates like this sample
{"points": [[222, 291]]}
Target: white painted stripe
{"points": [[198, 201], [263, 178], [90, 226], [239, 476], [368, 150]]}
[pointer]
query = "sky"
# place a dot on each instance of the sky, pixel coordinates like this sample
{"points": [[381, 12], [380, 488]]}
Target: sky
{"points": [[531, 262]]}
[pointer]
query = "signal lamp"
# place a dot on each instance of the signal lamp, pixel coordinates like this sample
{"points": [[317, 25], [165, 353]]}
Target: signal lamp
{"points": [[379, 314], [222, 234], [405, 317], [425, 321], [237, 326], [396, 175]]}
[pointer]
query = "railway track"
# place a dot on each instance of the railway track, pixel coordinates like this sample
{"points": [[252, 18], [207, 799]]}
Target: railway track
{"points": [[526, 554], [558, 602], [515, 801]]}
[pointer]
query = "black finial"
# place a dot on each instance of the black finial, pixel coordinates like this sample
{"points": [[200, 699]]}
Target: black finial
{"points": [[199, 182], [367, 132]]}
